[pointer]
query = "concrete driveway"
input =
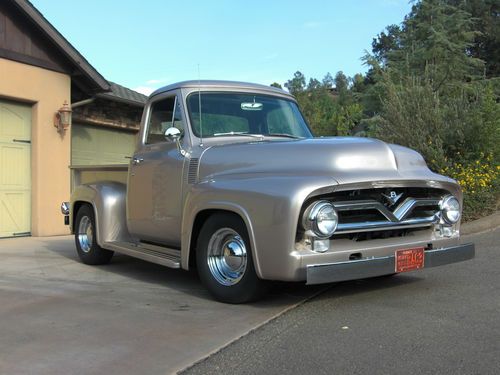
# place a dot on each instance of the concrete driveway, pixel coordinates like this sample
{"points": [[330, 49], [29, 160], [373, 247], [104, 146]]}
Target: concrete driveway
{"points": [[59, 316]]}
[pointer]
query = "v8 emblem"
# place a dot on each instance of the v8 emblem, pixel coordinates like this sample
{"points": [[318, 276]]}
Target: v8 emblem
{"points": [[392, 198]]}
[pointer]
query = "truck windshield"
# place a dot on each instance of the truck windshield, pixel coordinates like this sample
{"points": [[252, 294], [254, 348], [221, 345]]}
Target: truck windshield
{"points": [[240, 114]]}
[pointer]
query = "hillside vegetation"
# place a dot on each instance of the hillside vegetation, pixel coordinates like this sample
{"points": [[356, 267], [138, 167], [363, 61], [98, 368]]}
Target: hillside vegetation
{"points": [[433, 85]]}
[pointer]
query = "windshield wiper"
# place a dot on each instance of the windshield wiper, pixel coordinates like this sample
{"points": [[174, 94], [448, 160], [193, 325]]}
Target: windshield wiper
{"points": [[237, 134], [283, 135]]}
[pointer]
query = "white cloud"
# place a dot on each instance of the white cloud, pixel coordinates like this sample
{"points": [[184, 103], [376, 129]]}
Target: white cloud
{"points": [[144, 90], [151, 85]]}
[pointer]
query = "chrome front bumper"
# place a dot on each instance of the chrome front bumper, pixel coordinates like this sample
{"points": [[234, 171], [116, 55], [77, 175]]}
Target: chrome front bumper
{"points": [[365, 268]]}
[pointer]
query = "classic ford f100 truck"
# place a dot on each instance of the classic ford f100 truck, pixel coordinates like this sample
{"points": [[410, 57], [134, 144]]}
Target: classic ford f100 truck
{"points": [[227, 177]]}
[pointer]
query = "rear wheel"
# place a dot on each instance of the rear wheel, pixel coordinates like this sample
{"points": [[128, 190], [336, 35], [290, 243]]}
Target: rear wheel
{"points": [[224, 260], [86, 241]]}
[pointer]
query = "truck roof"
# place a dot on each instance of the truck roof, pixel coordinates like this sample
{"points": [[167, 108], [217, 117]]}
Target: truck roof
{"points": [[204, 84]]}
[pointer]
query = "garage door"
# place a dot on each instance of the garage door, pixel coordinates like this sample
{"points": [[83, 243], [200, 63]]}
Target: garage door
{"points": [[92, 145], [15, 169]]}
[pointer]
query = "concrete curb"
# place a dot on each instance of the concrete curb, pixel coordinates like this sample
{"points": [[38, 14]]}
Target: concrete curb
{"points": [[485, 224]]}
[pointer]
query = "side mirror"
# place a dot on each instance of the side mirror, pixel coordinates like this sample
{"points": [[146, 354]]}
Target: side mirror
{"points": [[172, 134]]}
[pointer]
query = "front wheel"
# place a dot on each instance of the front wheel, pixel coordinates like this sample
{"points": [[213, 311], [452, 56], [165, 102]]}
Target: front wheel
{"points": [[87, 248], [224, 260]]}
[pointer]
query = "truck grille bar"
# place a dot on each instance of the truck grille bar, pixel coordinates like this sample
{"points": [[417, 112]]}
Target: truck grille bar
{"points": [[401, 217]]}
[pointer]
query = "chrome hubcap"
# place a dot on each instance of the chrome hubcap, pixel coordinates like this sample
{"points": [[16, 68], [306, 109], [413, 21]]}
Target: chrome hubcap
{"points": [[85, 234], [227, 256]]}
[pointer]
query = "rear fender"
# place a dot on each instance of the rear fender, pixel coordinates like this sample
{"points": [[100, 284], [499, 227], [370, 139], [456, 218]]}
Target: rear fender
{"points": [[108, 199]]}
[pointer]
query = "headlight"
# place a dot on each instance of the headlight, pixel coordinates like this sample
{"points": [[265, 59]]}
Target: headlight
{"points": [[450, 209], [322, 218]]}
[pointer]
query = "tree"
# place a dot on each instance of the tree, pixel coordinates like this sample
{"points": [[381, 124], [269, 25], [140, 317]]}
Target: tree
{"points": [[277, 85], [358, 83], [386, 42], [297, 84], [485, 15], [314, 84], [328, 81], [433, 96], [347, 117], [412, 117], [434, 39], [341, 82], [342, 87]]}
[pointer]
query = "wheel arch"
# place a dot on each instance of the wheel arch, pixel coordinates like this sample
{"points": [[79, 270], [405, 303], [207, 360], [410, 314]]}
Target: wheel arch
{"points": [[190, 236], [108, 202], [74, 212]]}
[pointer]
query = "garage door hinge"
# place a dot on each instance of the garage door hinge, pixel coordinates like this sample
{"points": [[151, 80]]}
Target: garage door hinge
{"points": [[21, 140]]}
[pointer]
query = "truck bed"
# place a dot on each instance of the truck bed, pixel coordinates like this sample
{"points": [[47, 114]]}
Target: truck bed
{"points": [[88, 174]]}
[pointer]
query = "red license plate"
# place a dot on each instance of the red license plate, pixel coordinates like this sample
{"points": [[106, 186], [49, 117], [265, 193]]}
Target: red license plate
{"points": [[409, 259]]}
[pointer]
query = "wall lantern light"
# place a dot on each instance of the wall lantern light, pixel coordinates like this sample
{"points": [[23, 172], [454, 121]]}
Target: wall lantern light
{"points": [[63, 117]]}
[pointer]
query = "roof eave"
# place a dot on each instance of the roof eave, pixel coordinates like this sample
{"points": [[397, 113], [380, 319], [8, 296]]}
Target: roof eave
{"points": [[120, 100], [71, 53]]}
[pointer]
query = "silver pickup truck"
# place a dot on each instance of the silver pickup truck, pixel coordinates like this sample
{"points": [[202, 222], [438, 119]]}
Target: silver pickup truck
{"points": [[227, 178]]}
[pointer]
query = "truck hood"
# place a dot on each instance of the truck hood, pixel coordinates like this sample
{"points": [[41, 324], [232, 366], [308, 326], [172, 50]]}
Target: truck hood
{"points": [[344, 159]]}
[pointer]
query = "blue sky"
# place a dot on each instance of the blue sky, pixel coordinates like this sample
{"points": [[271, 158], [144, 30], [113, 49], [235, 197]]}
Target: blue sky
{"points": [[148, 44]]}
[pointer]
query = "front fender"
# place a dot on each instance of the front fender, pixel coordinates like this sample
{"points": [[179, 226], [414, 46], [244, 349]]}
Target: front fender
{"points": [[269, 206], [108, 200]]}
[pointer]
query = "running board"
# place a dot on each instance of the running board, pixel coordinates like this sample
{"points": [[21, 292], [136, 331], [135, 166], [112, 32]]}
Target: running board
{"points": [[155, 254]]}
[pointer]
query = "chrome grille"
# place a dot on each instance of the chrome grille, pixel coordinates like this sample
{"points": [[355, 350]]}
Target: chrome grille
{"points": [[400, 217], [383, 211]]}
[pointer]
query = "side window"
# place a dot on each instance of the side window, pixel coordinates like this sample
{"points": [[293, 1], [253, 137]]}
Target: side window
{"points": [[160, 119]]}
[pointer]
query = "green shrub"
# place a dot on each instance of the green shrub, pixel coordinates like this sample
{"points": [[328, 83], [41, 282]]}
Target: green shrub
{"points": [[479, 181]]}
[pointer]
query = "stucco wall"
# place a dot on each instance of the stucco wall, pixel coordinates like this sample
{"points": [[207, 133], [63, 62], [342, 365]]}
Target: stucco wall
{"points": [[50, 152]]}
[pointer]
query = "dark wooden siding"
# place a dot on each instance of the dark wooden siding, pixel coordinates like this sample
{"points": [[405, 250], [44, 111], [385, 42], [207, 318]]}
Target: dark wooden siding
{"points": [[109, 113], [22, 41]]}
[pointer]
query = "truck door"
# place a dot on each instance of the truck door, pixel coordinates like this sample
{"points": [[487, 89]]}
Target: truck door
{"points": [[154, 195]]}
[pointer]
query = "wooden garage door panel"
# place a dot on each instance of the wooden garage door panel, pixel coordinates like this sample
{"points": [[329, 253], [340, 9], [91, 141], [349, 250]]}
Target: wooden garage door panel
{"points": [[93, 146], [13, 120], [15, 169], [14, 159], [14, 213]]}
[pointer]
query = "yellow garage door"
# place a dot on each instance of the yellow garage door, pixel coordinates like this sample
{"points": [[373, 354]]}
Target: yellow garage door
{"points": [[15, 169], [91, 145]]}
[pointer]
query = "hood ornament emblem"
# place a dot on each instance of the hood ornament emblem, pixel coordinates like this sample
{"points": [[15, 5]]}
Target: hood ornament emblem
{"points": [[392, 198]]}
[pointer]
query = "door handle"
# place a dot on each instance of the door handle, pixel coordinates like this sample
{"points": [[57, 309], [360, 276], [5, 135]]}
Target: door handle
{"points": [[137, 161]]}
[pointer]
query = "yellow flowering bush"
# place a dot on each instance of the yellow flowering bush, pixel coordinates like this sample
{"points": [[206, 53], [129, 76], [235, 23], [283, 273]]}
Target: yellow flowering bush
{"points": [[476, 176], [479, 181]]}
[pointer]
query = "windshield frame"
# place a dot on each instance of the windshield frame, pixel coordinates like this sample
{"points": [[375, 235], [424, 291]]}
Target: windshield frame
{"points": [[285, 97]]}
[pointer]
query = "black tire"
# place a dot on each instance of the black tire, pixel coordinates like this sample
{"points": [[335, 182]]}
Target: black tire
{"points": [[243, 285], [87, 248]]}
